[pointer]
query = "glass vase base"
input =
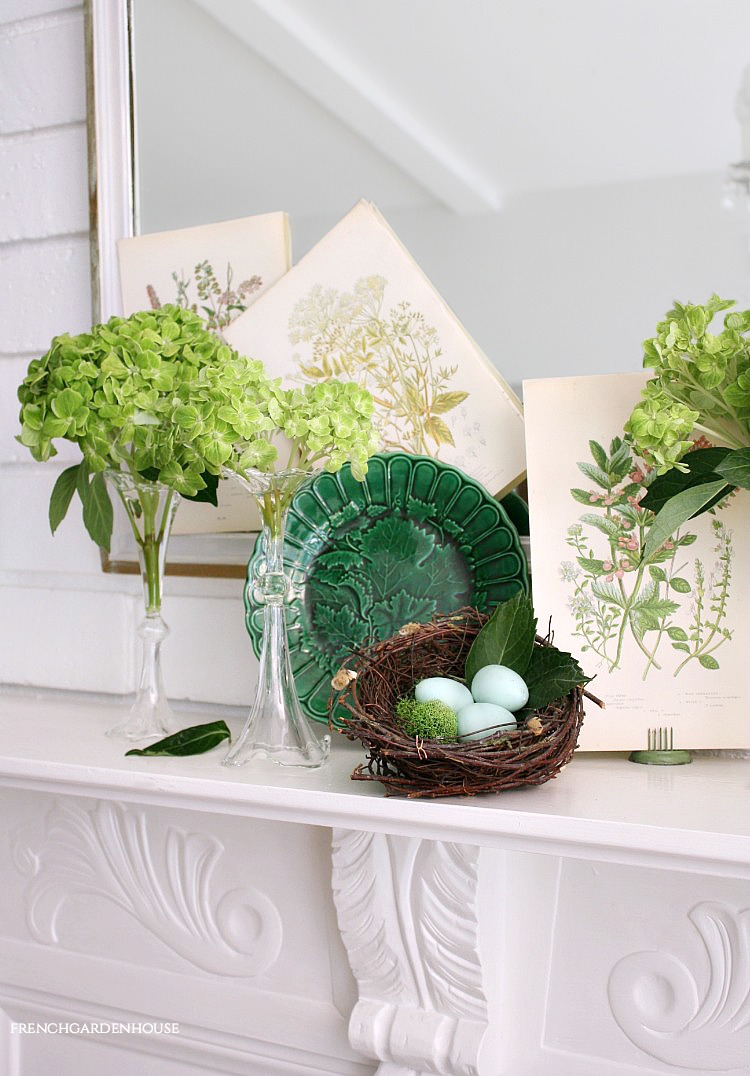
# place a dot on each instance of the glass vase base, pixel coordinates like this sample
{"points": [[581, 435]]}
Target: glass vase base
{"points": [[311, 756], [149, 724]]}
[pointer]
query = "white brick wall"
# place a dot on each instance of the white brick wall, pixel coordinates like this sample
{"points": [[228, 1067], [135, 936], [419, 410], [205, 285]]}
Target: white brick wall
{"points": [[27, 159], [63, 622], [34, 53]]}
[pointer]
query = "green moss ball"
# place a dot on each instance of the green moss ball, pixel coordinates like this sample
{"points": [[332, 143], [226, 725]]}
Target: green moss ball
{"points": [[428, 720]]}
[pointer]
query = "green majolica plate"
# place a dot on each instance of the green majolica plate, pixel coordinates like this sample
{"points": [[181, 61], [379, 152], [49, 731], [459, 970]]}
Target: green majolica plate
{"points": [[416, 538]]}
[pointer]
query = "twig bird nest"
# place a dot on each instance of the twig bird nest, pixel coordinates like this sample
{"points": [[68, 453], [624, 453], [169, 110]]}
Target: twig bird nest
{"points": [[372, 680]]}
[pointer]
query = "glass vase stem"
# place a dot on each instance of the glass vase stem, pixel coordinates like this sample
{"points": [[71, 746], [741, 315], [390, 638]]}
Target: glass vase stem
{"points": [[150, 508], [276, 728]]}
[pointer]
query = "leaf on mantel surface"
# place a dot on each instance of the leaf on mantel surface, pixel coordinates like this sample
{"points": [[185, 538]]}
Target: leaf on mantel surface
{"points": [[192, 741]]}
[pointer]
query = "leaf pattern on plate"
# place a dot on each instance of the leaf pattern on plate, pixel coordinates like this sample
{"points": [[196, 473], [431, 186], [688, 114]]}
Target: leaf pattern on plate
{"points": [[370, 557]]}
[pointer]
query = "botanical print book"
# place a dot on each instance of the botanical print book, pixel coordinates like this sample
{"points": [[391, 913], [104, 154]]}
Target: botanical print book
{"points": [[668, 639], [217, 269], [358, 307]]}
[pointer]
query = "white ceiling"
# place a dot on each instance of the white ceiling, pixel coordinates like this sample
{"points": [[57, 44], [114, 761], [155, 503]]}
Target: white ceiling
{"points": [[466, 103]]}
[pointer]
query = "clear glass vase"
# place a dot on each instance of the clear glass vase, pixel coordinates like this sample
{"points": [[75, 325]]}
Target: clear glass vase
{"points": [[276, 727], [150, 507]]}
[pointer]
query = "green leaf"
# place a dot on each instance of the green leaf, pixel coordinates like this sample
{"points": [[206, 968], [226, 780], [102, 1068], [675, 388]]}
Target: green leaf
{"points": [[399, 553], [702, 466], [446, 401], [62, 495], [550, 675], [592, 566], [506, 639], [657, 573], [583, 496], [708, 662], [608, 592], [443, 574], [82, 481], [656, 607], [607, 526], [208, 495], [338, 559], [677, 511], [596, 474], [680, 585], [439, 431], [342, 627], [97, 511], [192, 741], [598, 454], [678, 634], [736, 468], [151, 474], [681, 646], [621, 460], [387, 617]]}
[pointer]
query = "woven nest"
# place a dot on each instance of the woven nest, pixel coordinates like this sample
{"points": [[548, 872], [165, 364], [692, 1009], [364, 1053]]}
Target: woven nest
{"points": [[373, 679]]}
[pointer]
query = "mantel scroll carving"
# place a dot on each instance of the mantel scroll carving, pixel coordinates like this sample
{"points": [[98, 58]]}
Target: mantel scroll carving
{"points": [[697, 1022], [165, 880], [407, 914]]}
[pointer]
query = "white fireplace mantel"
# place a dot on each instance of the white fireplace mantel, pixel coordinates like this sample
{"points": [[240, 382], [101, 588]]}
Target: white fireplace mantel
{"points": [[338, 929]]}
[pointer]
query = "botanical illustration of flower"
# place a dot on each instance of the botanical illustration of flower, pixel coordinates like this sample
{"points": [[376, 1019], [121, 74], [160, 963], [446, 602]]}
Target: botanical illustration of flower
{"points": [[218, 304], [618, 598], [391, 351]]}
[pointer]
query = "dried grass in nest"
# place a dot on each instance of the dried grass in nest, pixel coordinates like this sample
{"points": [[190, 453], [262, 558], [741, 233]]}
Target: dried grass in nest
{"points": [[372, 680]]}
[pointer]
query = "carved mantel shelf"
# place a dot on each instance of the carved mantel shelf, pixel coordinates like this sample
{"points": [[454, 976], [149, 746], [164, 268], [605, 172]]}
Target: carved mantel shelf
{"points": [[305, 923], [601, 807]]}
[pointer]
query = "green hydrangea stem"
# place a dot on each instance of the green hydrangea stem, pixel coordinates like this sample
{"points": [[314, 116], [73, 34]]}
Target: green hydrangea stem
{"points": [[151, 548], [273, 507], [722, 435], [721, 404], [149, 513]]}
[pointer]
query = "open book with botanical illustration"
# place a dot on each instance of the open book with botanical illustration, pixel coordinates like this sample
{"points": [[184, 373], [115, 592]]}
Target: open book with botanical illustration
{"points": [[218, 270], [665, 633], [358, 307], [387, 347]]}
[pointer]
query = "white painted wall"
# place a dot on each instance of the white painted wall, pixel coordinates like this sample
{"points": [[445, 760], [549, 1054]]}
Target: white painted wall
{"points": [[572, 281], [579, 278]]}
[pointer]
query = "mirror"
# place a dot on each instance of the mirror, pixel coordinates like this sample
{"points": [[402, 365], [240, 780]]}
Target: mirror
{"points": [[556, 169]]}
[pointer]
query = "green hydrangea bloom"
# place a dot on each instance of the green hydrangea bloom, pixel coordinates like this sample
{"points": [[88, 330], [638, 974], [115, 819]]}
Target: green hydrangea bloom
{"points": [[330, 421], [159, 395], [155, 392], [428, 720], [701, 384]]}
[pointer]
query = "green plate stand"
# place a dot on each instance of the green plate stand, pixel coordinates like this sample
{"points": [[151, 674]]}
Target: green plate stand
{"points": [[661, 750]]}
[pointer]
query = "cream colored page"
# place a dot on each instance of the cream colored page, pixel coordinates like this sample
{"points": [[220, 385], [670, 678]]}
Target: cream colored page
{"points": [[251, 251], [357, 303], [651, 680]]}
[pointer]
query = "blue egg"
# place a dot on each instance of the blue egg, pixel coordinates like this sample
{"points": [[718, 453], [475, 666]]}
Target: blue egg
{"points": [[442, 689], [481, 719], [501, 686]]}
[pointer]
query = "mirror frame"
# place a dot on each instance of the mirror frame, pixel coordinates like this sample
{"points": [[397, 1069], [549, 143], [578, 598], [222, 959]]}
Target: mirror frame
{"points": [[113, 214]]}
